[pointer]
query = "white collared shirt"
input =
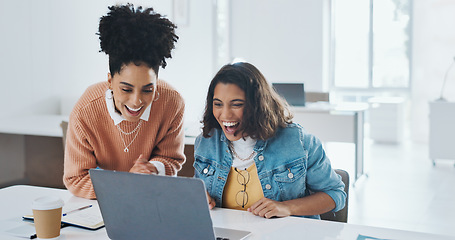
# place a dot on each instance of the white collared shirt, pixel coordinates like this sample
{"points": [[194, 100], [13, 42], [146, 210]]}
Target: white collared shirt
{"points": [[118, 118]]}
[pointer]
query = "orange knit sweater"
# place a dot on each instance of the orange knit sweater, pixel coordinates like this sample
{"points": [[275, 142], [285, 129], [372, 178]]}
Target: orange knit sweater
{"points": [[94, 141]]}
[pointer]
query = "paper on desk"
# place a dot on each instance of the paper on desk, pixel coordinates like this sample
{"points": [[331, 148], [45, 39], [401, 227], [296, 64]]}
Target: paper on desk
{"points": [[88, 218], [24, 230]]}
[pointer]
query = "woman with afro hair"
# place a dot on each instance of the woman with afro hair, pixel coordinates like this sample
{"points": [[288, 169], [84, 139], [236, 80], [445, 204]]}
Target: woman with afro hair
{"points": [[133, 121]]}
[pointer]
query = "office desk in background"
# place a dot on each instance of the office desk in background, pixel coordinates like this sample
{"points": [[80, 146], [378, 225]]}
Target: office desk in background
{"points": [[16, 201], [32, 145], [35, 142], [336, 123]]}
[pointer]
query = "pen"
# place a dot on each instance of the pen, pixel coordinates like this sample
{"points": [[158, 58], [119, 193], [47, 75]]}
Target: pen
{"points": [[61, 226], [78, 209]]}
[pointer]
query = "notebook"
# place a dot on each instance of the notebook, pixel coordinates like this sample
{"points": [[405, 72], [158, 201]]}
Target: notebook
{"points": [[86, 216], [139, 206]]}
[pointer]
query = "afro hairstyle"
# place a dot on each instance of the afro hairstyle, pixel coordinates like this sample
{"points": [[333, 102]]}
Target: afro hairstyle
{"points": [[130, 35]]}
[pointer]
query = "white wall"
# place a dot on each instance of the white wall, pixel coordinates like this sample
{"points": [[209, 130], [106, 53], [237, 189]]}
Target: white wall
{"points": [[192, 65], [433, 52], [284, 39], [49, 51]]}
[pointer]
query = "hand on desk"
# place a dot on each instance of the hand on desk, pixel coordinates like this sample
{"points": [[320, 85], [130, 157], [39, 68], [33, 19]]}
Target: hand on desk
{"points": [[269, 208], [265, 207], [143, 165], [211, 201]]}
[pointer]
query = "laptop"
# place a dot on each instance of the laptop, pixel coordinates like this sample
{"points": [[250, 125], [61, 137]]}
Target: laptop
{"points": [[139, 206], [294, 93]]}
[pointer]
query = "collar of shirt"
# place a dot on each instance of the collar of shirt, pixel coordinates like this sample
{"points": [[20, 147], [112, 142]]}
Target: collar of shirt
{"points": [[117, 117], [244, 145]]}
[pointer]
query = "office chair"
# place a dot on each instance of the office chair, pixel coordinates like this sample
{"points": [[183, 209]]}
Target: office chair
{"points": [[342, 215], [64, 126], [187, 168]]}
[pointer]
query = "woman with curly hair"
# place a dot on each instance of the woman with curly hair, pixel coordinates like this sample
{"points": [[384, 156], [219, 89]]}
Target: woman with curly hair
{"points": [[252, 157], [133, 121]]}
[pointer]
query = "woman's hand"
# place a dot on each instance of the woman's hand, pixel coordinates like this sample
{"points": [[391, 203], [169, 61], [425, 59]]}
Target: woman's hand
{"points": [[269, 208], [210, 201], [142, 165]]}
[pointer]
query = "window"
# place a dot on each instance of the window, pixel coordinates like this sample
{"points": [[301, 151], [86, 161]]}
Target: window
{"points": [[371, 44]]}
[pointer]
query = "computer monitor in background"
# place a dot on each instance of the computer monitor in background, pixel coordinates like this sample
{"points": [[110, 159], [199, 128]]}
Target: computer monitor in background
{"points": [[294, 93]]}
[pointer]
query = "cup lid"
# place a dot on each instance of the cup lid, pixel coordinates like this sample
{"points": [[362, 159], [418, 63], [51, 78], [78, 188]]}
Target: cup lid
{"points": [[47, 202]]}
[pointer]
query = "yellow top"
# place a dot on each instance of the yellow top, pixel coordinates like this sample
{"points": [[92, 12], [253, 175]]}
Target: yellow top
{"points": [[234, 195]]}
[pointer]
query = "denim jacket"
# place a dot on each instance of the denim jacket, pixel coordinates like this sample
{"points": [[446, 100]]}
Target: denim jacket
{"points": [[290, 165]]}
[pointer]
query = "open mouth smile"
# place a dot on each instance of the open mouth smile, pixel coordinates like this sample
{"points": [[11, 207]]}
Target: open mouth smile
{"points": [[133, 111], [231, 127]]}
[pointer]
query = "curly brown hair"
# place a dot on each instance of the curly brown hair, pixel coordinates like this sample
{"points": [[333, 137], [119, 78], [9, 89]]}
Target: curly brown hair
{"points": [[130, 35], [265, 111]]}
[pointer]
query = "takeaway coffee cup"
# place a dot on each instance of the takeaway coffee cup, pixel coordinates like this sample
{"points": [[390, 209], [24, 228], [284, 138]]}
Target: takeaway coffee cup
{"points": [[47, 214]]}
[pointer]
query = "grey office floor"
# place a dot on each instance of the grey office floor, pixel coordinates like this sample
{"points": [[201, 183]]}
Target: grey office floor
{"points": [[403, 190]]}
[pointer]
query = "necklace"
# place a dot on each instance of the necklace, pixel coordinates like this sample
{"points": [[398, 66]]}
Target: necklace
{"points": [[129, 133], [126, 149], [231, 147]]}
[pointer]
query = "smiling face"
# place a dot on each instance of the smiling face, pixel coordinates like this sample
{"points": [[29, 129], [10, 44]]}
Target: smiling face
{"points": [[228, 105], [133, 90]]}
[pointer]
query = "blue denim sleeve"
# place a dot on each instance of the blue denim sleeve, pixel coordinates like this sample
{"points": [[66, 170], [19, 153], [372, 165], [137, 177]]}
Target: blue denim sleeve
{"points": [[197, 142], [320, 175]]}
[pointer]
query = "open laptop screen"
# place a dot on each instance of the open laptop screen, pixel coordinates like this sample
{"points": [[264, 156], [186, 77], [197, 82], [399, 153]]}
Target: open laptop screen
{"points": [[294, 93], [141, 206]]}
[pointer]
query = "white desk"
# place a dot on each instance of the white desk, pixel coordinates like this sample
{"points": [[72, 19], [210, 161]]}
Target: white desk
{"points": [[16, 201], [340, 123], [46, 125], [37, 125]]}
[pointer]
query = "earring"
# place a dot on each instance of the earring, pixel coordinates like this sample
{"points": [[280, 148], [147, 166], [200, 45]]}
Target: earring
{"points": [[110, 94], [157, 97]]}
